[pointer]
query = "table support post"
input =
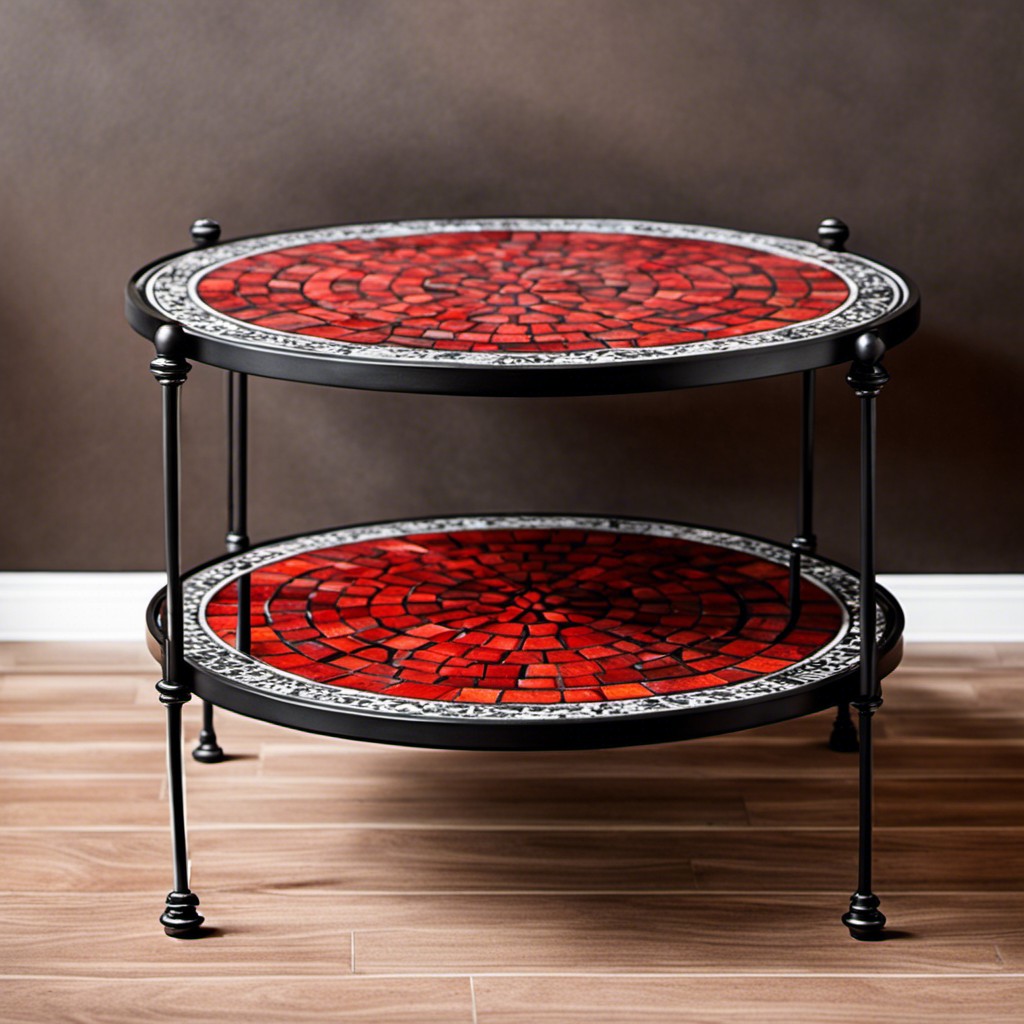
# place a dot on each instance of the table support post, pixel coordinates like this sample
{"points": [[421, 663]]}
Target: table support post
{"points": [[804, 543], [237, 537], [867, 377], [833, 235], [206, 232], [180, 916], [843, 738]]}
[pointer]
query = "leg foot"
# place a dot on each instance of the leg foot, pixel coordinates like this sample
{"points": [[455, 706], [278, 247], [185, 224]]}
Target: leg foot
{"points": [[208, 751], [844, 733], [180, 918], [864, 919]]}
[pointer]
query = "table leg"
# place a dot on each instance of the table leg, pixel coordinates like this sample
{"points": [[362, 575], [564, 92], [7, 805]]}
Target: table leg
{"points": [[804, 543], [180, 916], [206, 232], [833, 235], [236, 540], [843, 738], [208, 750], [844, 735], [867, 378], [806, 540]]}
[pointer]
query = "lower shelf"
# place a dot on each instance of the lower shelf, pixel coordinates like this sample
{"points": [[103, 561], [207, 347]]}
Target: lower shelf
{"points": [[526, 632]]}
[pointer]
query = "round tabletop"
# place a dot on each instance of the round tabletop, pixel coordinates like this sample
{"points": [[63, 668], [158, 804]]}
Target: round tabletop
{"points": [[521, 306], [526, 631]]}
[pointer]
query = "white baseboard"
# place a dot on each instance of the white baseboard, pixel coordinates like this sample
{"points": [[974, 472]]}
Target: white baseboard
{"points": [[962, 608], [111, 606], [76, 605]]}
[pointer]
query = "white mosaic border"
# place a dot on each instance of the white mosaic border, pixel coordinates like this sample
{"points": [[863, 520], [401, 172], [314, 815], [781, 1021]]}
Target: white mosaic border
{"points": [[207, 651], [171, 289]]}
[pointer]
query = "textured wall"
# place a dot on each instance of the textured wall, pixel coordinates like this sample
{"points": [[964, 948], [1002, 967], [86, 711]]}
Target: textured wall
{"points": [[122, 121]]}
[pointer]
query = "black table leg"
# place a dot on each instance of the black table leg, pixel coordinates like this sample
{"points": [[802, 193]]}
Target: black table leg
{"points": [[843, 738], [867, 378], [804, 543], [832, 235], [237, 539], [844, 735], [207, 232], [180, 916], [208, 750]]}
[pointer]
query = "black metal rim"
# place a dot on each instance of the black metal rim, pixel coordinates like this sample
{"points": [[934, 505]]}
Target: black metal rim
{"points": [[653, 727], [520, 382]]}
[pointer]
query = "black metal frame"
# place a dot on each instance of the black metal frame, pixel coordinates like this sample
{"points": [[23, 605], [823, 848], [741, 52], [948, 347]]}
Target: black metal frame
{"points": [[206, 232], [867, 377], [180, 916], [859, 686], [664, 374], [844, 735]]}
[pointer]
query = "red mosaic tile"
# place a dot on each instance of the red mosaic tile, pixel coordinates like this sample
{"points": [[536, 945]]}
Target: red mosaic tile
{"points": [[528, 616], [521, 291]]}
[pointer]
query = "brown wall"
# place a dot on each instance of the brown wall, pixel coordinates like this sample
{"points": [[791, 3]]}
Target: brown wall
{"points": [[122, 121]]}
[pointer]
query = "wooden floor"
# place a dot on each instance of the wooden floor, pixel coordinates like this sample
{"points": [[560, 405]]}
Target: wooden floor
{"points": [[341, 881]]}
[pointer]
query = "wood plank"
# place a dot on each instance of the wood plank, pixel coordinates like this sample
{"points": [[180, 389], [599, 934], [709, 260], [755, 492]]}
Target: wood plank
{"points": [[250, 933], [79, 721], [79, 657], [906, 860], [366, 859], [238, 1000], [691, 933], [470, 803], [69, 801], [65, 802], [952, 657], [455, 801], [899, 802], [100, 758], [71, 689], [86, 758], [309, 931], [431, 801], [974, 729], [595, 1000], [360, 859], [1011, 655]]}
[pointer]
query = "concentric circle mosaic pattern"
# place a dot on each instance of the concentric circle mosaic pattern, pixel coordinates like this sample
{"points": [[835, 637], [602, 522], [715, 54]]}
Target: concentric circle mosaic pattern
{"points": [[521, 291], [528, 616]]}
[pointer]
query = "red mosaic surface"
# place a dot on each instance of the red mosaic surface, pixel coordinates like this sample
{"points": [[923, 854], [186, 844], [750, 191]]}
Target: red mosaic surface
{"points": [[521, 291], [535, 616]]}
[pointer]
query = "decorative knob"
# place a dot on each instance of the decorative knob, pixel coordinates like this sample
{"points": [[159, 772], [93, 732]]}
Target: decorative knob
{"points": [[169, 341], [832, 234], [867, 376], [869, 348], [205, 232]]}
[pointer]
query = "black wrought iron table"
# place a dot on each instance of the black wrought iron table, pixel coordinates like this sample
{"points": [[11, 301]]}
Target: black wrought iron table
{"points": [[521, 631]]}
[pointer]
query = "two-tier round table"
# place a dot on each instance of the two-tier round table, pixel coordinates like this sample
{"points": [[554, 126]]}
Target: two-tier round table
{"points": [[521, 631]]}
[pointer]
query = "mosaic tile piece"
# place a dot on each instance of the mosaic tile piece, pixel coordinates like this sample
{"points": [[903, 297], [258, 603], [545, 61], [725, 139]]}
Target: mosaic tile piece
{"points": [[520, 615]]}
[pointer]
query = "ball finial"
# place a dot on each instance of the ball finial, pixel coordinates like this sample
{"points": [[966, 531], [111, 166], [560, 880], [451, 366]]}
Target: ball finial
{"points": [[169, 341], [832, 234], [869, 348], [867, 375], [205, 232]]}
